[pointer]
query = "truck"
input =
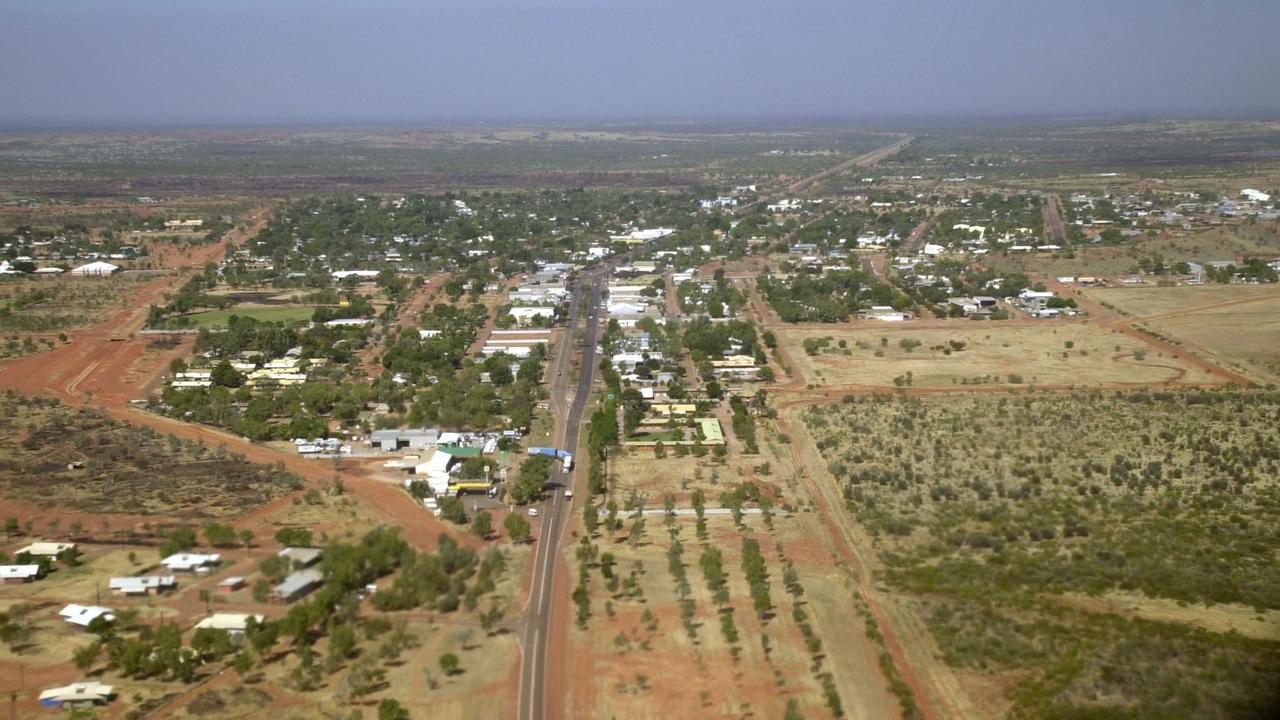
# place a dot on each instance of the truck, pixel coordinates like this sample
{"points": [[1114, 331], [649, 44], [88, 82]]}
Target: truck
{"points": [[551, 452], [568, 462]]}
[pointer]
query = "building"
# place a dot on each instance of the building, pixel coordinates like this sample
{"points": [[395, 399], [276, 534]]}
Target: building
{"points": [[190, 562], [1255, 195], [186, 225], [83, 615], [301, 557], [412, 439], [297, 585], [527, 314], [46, 549], [231, 584], [235, 624], [19, 574], [142, 585], [77, 695], [739, 367], [97, 268]]}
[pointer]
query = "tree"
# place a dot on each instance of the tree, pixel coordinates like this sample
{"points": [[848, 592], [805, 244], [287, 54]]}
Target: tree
{"points": [[243, 663], [221, 536], [224, 375], [517, 527], [85, 656], [10, 528], [449, 663], [390, 709], [531, 479], [294, 537], [482, 525], [452, 509], [246, 537], [179, 540], [261, 591]]}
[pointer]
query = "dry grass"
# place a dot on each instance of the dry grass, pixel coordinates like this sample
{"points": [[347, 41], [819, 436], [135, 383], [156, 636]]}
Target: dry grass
{"points": [[1038, 353], [1235, 325]]}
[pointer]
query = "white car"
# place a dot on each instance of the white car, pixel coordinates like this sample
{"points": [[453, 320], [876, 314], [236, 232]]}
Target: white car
{"points": [[533, 512]]}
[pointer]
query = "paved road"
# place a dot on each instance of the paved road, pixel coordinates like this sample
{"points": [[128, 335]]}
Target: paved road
{"points": [[869, 159], [568, 403], [1054, 228]]}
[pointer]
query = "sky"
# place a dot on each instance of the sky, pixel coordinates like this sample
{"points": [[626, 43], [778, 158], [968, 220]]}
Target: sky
{"points": [[243, 62]]}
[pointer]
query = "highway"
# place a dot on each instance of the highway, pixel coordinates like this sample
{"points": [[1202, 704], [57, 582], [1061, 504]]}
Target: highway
{"points": [[568, 402]]}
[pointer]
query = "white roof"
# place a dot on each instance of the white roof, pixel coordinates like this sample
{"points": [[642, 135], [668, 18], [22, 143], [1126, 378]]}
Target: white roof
{"points": [[189, 560], [228, 621], [87, 690], [97, 267], [84, 614], [142, 582], [18, 571], [45, 548]]}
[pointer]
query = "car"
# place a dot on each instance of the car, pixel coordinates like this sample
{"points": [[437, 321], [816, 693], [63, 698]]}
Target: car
{"points": [[533, 512]]}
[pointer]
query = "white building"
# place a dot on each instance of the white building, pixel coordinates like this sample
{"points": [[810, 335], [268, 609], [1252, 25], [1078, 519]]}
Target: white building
{"points": [[97, 268], [190, 562], [82, 615]]}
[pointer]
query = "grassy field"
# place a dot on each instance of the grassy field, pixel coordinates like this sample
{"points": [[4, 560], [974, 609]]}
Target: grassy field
{"points": [[992, 353], [1199, 246], [1093, 555], [1237, 326], [220, 318]]}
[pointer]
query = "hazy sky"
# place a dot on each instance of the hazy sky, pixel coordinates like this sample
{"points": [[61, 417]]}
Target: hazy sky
{"points": [[104, 62]]}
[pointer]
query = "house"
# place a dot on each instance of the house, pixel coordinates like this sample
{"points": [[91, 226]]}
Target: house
{"points": [[19, 574], [297, 585], [301, 557], [186, 225], [82, 615], [77, 695], [232, 583], [142, 585], [190, 562], [341, 275], [1034, 298], [885, 313], [46, 549], [97, 268], [674, 409], [235, 624]]}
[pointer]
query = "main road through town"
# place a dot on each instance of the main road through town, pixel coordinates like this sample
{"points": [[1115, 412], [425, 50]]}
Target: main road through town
{"points": [[568, 401]]}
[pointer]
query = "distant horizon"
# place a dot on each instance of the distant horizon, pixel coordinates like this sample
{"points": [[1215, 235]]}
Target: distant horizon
{"points": [[878, 123], [238, 63]]}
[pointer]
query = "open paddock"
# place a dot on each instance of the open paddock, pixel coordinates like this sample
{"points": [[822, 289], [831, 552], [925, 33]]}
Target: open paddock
{"points": [[1047, 353], [1234, 325]]}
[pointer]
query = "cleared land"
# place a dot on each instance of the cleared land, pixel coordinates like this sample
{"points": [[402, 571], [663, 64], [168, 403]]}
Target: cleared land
{"points": [[1046, 353], [220, 318], [655, 645], [1237, 326], [81, 459], [1059, 580]]}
